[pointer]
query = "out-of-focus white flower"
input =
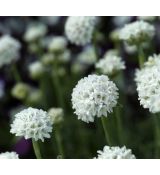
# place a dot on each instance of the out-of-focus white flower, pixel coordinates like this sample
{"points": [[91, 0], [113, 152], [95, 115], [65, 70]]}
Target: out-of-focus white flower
{"points": [[147, 18], [87, 56], [110, 64], [50, 20], [20, 90], [48, 59], [58, 44], [119, 21], [32, 123], [36, 69], [9, 155], [35, 32], [56, 115], [148, 84], [114, 35], [64, 56], [9, 50], [115, 152], [137, 32], [79, 29], [94, 96]]}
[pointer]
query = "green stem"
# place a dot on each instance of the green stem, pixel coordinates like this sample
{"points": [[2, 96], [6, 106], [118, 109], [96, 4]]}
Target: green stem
{"points": [[16, 73], [95, 45], [36, 149], [141, 56], [103, 119], [59, 142], [119, 124], [58, 86]]}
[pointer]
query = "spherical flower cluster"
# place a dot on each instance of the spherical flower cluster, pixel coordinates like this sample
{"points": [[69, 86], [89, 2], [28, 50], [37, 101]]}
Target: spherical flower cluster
{"points": [[87, 56], [58, 44], [32, 123], [137, 32], [35, 32], [36, 69], [9, 50], [9, 155], [115, 153], [148, 84], [110, 64], [79, 29], [56, 115], [94, 96]]}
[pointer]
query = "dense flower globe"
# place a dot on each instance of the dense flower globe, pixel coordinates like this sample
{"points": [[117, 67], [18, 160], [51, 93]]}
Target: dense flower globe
{"points": [[9, 155], [9, 50], [115, 152], [94, 96], [79, 29], [110, 64], [137, 32], [32, 123], [35, 32], [148, 84]]}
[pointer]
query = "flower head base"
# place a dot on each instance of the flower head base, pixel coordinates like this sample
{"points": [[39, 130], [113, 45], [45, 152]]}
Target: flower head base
{"points": [[9, 50], [32, 123], [148, 84], [110, 64], [79, 29], [35, 32], [115, 153], [137, 32], [56, 115], [9, 155], [94, 96]]}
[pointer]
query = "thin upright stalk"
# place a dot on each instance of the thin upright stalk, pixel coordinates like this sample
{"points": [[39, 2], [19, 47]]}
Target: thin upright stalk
{"points": [[141, 56], [36, 149], [103, 119], [15, 73], [59, 142]]}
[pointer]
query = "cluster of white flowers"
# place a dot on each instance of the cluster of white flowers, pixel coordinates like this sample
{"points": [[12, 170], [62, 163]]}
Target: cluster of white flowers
{"points": [[87, 56], [137, 32], [110, 64], [79, 29], [9, 50], [115, 153], [32, 123], [35, 32], [36, 69], [9, 155], [94, 96], [58, 44], [56, 115], [148, 84]]}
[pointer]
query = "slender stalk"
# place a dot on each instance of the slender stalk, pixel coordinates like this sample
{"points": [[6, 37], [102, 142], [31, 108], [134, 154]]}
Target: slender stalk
{"points": [[141, 56], [119, 124], [59, 142], [58, 86], [36, 149], [16, 73], [106, 131]]}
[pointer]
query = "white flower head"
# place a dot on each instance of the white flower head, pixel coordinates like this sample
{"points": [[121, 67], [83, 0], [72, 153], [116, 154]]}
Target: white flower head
{"points": [[9, 50], [58, 44], [148, 84], [79, 29], [87, 56], [56, 115], [9, 155], [32, 123], [35, 32], [115, 152], [137, 32], [110, 64], [94, 96]]}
